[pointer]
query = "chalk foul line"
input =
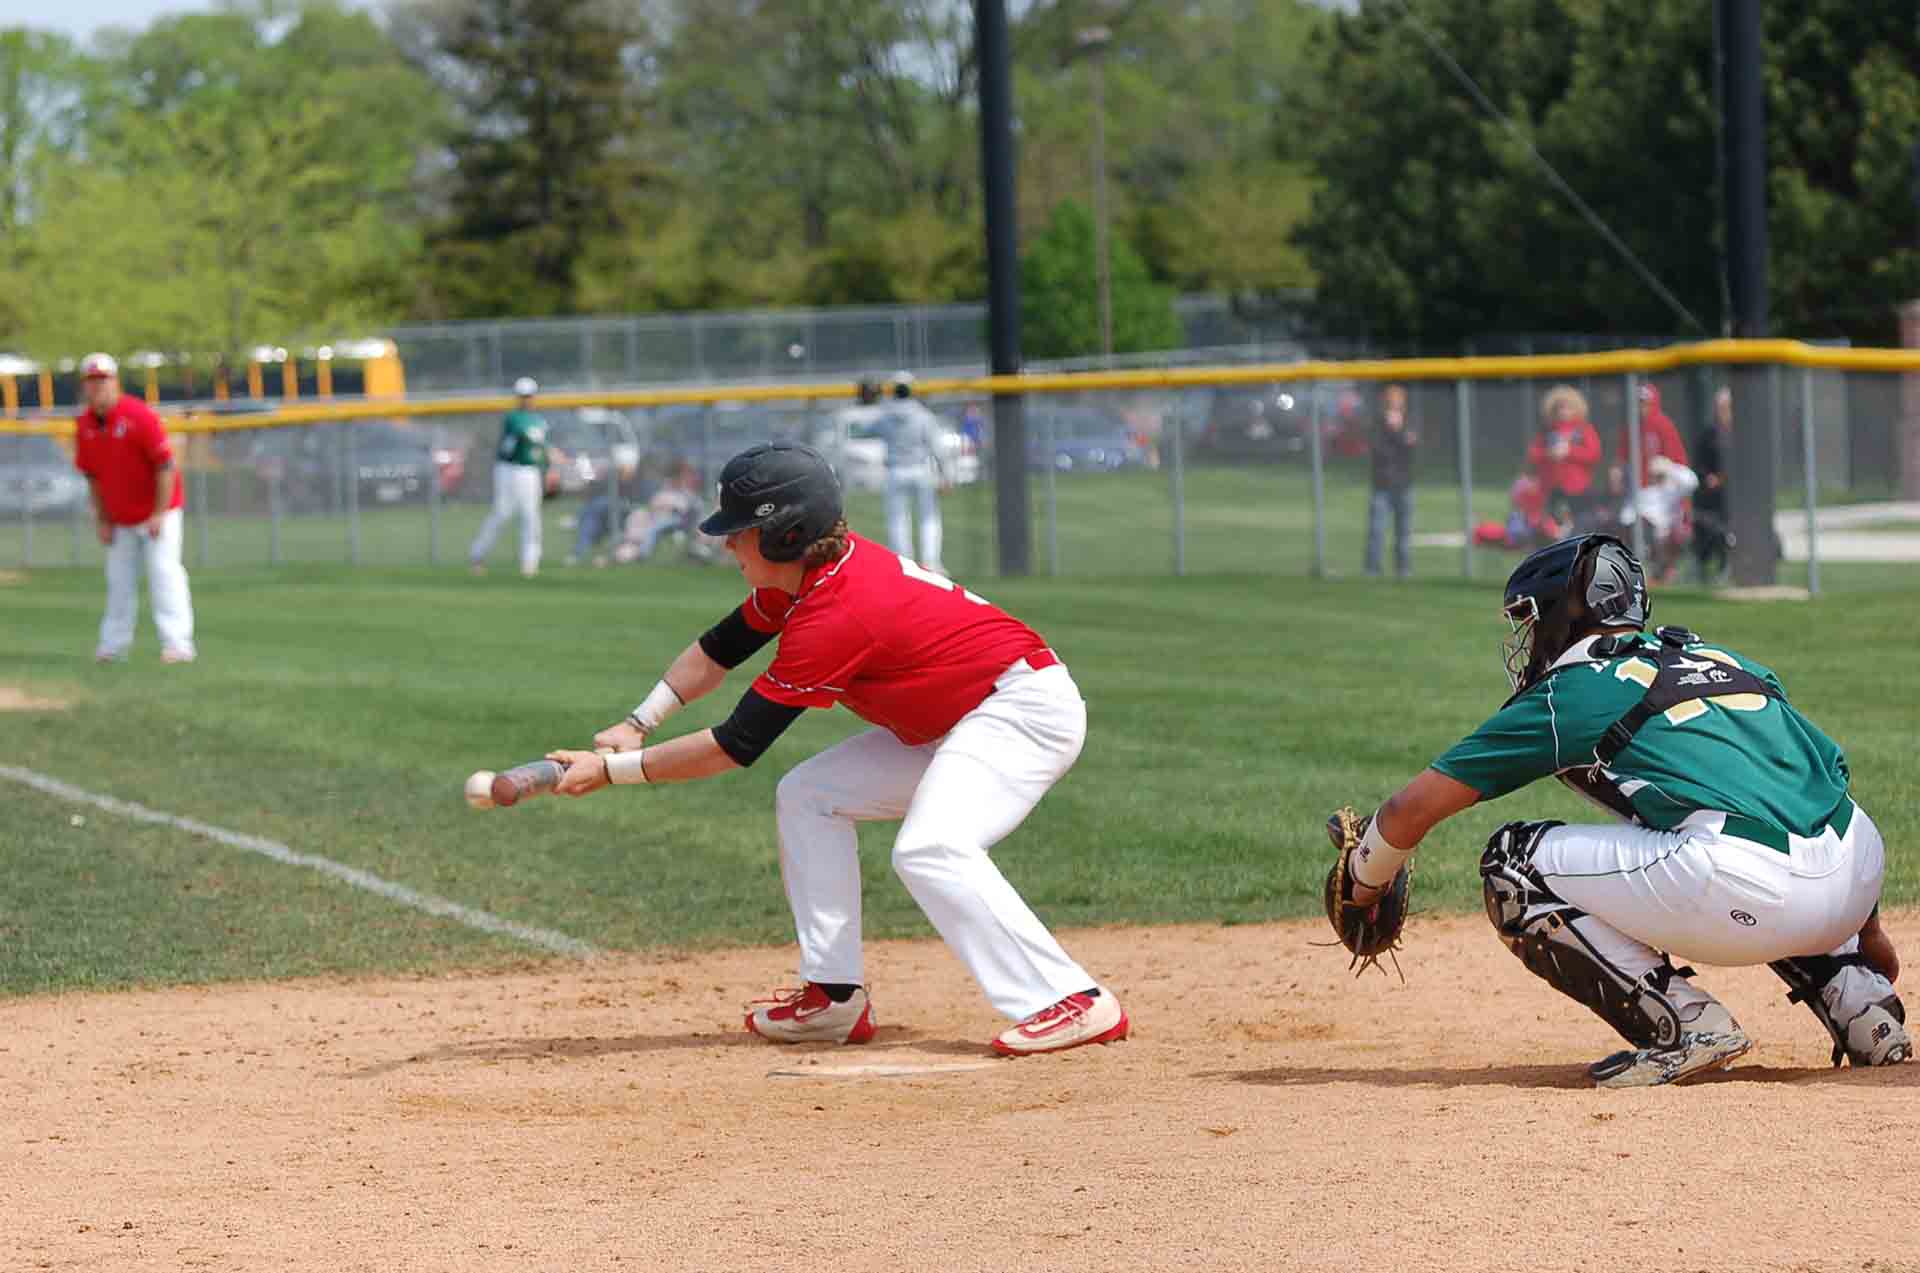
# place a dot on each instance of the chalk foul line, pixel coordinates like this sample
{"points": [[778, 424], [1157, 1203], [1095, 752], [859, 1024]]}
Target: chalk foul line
{"points": [[544, 938]]}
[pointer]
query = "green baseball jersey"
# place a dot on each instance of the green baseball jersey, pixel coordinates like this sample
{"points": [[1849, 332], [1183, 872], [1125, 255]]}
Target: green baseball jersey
{"points": [[1747, 754], [523, 439]]}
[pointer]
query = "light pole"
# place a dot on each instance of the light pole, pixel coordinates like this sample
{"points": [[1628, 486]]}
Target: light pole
{"points": [[1093, 42]]}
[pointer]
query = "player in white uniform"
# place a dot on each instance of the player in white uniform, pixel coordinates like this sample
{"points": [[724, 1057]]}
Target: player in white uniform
{"points": [[519, 481], [916, 474]]}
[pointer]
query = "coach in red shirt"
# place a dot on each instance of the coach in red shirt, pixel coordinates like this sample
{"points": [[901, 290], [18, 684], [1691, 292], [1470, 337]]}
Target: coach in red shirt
{"points": [[122, 448], [975, 719]]}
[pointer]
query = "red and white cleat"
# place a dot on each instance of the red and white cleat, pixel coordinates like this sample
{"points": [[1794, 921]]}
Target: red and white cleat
{"points": [[1091, 1016], [806, 1015]]}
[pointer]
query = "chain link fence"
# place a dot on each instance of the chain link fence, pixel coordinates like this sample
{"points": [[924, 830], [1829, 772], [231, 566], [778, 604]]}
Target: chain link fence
{"points": [[1219, 473]]}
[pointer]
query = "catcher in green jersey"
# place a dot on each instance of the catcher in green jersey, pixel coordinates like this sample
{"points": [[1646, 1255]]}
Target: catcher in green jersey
{"points": [[1733, 842]]}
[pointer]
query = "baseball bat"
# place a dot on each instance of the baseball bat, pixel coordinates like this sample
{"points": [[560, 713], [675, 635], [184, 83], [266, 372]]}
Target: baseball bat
{"points": [[522, 782]]}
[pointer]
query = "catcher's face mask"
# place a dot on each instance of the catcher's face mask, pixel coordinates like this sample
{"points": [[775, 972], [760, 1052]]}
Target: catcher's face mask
{"points": [[1516, 651]]}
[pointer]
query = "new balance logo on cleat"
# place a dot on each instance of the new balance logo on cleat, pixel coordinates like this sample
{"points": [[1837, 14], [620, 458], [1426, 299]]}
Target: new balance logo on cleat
{"points": [[1696, 1053]]}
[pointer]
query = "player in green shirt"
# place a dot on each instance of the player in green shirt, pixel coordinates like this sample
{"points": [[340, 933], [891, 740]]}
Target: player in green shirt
{"points": [[519, 481], [1737, 842]]}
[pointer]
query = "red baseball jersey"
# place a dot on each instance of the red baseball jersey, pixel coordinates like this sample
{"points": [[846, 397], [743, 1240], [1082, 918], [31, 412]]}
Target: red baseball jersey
{"points": [[122, 453], [900, 646]]}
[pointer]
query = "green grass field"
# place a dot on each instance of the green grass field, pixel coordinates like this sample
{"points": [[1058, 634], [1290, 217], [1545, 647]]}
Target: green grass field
{"points": [[336, 711]]}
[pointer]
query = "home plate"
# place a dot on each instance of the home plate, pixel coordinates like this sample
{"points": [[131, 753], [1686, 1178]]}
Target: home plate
{"points": [[878, 1069]]}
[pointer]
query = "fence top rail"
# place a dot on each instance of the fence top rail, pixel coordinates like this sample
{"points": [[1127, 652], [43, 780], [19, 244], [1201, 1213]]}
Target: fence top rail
{"points": [[1532, 366]]}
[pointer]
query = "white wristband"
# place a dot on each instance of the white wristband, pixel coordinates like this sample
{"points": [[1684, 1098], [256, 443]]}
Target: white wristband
{"points": [[626, 767], [661, 702], [1376, 862]]}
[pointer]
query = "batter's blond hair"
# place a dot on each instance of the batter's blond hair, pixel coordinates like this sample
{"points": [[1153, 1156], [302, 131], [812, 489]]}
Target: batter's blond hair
{"points": [[829, 547]]}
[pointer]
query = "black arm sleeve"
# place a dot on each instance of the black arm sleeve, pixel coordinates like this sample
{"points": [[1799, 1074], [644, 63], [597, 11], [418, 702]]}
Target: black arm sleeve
{"points": [[755, 723], [733, 640]]}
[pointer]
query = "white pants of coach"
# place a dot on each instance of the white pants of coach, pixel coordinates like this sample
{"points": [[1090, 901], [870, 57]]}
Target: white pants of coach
{"points": [[957, 797], [909, 492], [1706, 897], [516, 493], [131, 548]]}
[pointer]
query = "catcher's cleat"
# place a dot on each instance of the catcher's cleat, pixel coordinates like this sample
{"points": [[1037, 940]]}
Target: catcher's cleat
{"points": [[1878, 1036], [806, 1015], [1696, 1053], [1092, 1016]]}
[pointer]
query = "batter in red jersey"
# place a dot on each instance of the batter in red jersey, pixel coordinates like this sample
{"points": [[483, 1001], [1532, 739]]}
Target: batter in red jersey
{"points": [[975, 719], [120, 445]]}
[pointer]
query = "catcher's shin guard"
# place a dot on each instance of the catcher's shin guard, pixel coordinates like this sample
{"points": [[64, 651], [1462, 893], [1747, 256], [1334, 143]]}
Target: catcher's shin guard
{"points": [[1539, 928], [1867, 1027]]}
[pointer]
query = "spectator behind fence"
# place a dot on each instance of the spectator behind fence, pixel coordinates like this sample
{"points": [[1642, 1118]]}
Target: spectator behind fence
{"points": [[1659, 436], [1711, 538], [122, 448], [1391, 445], [1564, 453], [672, 509], [596, 520], [916, 474]]}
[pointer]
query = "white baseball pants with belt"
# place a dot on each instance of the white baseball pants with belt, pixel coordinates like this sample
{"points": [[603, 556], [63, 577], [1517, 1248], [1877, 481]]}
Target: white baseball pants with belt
{"points": [[956, 798], [516, 493], [131, 548], [1703, 895]]}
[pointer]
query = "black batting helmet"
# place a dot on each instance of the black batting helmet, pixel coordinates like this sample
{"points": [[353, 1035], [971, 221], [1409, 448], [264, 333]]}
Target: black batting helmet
{"points": [[1562, 591], [787, 490]]}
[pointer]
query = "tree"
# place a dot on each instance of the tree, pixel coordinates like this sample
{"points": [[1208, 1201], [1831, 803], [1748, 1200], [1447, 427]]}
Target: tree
{"points": [[1059, 294], [1436, 222], [541, 158], [245, 179]]}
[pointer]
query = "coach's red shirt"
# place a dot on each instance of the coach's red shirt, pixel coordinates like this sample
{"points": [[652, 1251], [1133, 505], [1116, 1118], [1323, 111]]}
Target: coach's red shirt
{"points": [[899, 646], [122, 454]]}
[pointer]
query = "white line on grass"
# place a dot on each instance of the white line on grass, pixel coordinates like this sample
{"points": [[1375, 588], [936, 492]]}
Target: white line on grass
{"points": [[486, 923]]}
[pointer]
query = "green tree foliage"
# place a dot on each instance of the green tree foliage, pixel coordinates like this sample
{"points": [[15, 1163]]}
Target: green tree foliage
{"points": [[541, 160], [1060, 295], [1436, 223], [244, 178]]}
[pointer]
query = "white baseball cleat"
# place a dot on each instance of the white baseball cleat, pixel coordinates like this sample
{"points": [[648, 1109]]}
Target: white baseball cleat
{"points": [[177, 654], [1091, 1016], [1698, 1052], [806, 1015]]}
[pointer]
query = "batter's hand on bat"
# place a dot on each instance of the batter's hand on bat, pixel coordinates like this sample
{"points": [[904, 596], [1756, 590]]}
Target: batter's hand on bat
{"points": [[626, 736], [586, 772]]}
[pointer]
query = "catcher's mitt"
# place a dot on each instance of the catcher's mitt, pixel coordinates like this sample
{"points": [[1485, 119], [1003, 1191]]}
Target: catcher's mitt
{"points": [[1372, 930]]}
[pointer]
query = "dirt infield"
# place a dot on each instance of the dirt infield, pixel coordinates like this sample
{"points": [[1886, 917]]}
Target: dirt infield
{"points": [[1270, 1113]]}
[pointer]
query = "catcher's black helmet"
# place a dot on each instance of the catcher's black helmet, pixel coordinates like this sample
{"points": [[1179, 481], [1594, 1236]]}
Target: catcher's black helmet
{"points": [[1565, 589], [789, 491]]}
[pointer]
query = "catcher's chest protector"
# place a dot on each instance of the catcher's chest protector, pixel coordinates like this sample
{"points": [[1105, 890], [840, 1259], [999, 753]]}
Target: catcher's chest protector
{"points": [[1680, 679]]}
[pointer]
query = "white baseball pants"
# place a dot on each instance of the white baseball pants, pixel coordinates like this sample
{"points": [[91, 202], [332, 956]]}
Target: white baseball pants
{"points": [[172, 600], [907, 494], [956, 797], [1704, 896], [516, 493]]}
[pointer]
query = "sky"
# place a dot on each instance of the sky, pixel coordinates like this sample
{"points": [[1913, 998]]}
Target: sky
{"points": [[81, 18]]}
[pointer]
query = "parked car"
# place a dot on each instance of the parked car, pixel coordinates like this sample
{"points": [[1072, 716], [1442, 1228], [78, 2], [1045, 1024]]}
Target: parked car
{"points": [[1081, 439], [1268, 423], [37, 477], [854, 439], [597, 441], [392, 463], [707, 437]]}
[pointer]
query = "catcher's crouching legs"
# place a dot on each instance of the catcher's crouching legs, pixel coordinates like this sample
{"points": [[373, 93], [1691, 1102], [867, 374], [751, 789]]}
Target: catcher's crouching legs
{"points": [[1676, 1028]]}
